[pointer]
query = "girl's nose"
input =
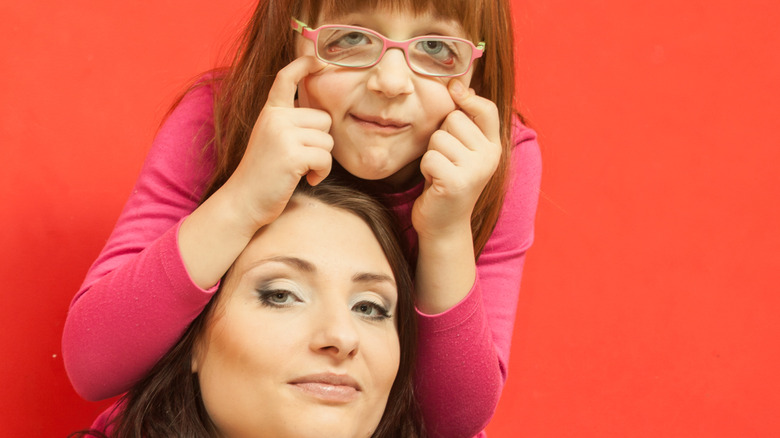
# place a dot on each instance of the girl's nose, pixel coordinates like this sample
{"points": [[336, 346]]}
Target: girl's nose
{"points": [[335, 334], [391, 76]]}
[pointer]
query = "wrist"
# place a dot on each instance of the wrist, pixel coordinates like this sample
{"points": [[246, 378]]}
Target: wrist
{"points": [[446, 270], [443, 237], [210, 239], [237, 212]]}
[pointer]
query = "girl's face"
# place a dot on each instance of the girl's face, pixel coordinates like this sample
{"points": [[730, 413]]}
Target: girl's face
{"points": [[382, 116], [302, 341]]}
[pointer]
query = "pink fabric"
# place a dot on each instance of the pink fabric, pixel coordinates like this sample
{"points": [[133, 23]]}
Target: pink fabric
{"points": [[104, 421], [138, 299]]}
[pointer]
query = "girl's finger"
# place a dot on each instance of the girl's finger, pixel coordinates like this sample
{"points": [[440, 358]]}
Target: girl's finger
{"points": [[449, 145], [316, 138], [435, 166], [285, 85], [460, 126], [481, 110], [320, 162], [310, 118]]}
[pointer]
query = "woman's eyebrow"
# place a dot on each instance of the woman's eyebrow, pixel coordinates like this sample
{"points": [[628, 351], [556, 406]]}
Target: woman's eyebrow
{"points": [[371, 277], [295, 262], [306, 266]]}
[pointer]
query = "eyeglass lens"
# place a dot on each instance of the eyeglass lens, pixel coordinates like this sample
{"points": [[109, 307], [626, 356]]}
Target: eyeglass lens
{"points": [[355, 48]]}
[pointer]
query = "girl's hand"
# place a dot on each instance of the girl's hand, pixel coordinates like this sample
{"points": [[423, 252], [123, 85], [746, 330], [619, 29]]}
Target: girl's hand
{"points": [[286, 144], [462, 156]]}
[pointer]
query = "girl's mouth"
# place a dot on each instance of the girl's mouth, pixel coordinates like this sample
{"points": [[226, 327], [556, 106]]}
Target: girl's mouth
{"points": [[380, 124]]}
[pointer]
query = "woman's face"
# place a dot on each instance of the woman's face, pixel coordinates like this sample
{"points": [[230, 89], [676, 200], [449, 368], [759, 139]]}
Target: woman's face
{"points": [[302, 341], [382, 116]]}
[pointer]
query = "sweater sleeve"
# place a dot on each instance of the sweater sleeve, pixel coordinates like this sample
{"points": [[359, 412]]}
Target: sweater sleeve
{"points": [[137, 298], [463, 352]]}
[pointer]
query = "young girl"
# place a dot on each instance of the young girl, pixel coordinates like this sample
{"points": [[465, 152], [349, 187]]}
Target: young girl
{"points": [[296, 342], [453, 162]]}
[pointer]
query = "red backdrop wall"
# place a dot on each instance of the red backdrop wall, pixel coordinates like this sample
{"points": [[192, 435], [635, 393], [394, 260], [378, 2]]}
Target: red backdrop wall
{"points": [[650, 300]]}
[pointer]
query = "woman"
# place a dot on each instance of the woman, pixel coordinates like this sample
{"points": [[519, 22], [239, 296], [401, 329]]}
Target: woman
{"points": [[311, 334]]}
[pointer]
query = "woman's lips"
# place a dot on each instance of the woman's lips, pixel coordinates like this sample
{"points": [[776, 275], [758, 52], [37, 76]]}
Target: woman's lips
{"points": [[329, 388]]}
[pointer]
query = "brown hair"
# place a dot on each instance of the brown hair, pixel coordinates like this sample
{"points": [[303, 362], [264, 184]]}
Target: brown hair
{"points": [[167, 401], [267, 45]]}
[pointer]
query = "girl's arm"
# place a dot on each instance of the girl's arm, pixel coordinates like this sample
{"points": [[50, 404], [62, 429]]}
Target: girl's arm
{"points": [[461, 157], [463, 351], [137, 297], [286, 144], [166, 255]]}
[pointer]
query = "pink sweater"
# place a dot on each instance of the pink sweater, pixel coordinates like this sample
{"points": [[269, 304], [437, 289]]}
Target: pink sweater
{"points": [[138, 299]]}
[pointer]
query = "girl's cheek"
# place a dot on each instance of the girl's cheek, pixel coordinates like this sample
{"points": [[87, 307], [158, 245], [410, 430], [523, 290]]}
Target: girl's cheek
{"points": [[325, 90], [312, 90]]}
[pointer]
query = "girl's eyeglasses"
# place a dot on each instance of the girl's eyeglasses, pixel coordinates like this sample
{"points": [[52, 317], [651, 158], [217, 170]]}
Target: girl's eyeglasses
{"points": [[352, 46]]}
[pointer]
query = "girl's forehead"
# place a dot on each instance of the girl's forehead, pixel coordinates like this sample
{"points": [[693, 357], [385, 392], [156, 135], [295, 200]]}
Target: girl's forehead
{"points": [[378, 8], [458, 11], [390, 24]]}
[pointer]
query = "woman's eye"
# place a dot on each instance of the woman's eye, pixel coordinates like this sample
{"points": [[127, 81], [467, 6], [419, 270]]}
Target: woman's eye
{"points": [[371, 310], [277, 298]]}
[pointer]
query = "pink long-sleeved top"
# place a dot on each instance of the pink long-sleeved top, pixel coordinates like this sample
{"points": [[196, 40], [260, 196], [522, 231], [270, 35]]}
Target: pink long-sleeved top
{"points": [[137, 298]]}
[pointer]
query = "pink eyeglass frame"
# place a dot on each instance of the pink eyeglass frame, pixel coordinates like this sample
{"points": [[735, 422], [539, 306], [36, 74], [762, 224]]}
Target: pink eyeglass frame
{"points": [[311, 34]]}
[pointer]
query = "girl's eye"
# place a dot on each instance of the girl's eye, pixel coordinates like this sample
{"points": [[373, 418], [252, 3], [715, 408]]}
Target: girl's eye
{"points": [[437, 50], [433, 47], [371, 310], [348, 40], [277, 298], [353, 39]]}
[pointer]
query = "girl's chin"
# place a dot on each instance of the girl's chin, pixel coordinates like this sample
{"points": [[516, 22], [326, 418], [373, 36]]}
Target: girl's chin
{"points": [[397, 178], [368, 174]]}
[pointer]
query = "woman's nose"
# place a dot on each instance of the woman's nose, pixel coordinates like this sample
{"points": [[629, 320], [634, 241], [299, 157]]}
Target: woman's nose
{"points": [[392, 75], [335, 334]]}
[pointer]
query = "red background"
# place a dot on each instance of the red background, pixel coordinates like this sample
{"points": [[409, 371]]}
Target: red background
{"points": [[650, 301]]}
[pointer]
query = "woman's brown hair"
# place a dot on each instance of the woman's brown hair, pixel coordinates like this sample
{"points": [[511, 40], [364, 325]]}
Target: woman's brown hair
{"points": [[167, 403], [268, 44]]}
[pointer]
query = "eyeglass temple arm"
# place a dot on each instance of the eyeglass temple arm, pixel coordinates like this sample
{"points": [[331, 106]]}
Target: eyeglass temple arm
{"points": [[298, 25]]}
